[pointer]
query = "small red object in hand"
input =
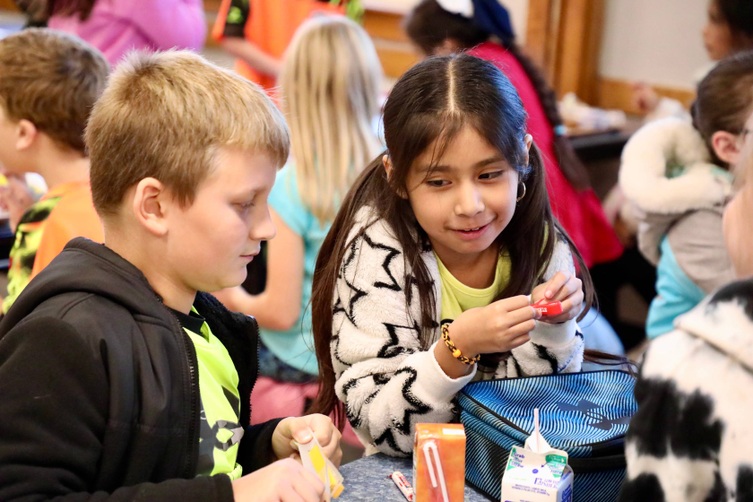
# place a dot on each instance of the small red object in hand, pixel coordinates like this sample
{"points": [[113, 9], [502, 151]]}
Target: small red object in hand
{"points": [[548, 309]]}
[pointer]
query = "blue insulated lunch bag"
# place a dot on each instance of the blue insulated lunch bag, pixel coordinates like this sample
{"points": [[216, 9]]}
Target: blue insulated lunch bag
{"points": [[585, 414]]}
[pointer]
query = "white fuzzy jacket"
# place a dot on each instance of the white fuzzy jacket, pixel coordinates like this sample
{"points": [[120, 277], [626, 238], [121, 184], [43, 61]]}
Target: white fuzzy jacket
{"points": [[685, 208], [691, 439], [386, 380]]}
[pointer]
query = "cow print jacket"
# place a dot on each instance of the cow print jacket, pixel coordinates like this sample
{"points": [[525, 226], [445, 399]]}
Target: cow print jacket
{"points": [[692, 437]]}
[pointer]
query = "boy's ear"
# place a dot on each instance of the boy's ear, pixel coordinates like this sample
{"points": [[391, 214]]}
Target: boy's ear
{"points": [[149, 200], [26, 134], [727, 146]]}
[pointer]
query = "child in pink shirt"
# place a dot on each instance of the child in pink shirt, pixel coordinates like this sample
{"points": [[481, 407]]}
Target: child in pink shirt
{"points": [[118, 26]]}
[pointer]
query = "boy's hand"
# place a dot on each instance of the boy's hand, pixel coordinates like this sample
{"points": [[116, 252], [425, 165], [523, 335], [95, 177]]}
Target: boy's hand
{"points": [[302, 430], [565, 288], [285, 480]]}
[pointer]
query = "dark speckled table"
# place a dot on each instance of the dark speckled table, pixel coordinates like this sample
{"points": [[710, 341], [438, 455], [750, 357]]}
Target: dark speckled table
{"points": [[368, 479]]}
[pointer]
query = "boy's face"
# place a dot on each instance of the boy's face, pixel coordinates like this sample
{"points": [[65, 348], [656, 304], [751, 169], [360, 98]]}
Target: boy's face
{"points": [[213, 240], [737, 214], [737, 217]]}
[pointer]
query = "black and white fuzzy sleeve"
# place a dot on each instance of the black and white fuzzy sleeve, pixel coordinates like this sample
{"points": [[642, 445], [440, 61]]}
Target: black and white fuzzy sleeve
{"points": [[387, 382]]}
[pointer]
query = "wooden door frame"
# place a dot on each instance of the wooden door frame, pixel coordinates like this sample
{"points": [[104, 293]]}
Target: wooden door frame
{"points": [[564, 38]]}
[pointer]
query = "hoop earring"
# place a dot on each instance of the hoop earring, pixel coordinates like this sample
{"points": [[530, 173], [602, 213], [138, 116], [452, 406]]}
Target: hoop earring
{"points": [[520, 197]]}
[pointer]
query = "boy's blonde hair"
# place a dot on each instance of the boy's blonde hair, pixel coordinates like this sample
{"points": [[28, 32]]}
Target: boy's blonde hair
{"points": [[165, 115], [51, 79], [330, 86]]}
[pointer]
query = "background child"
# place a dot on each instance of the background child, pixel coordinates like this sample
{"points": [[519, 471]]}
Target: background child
{"points": [[118, 26], [257, 32], [432, 254], [48, 83], [678, 177], [119, 378], [691, 437], [330, 88], [488, 34], [728, 30]]}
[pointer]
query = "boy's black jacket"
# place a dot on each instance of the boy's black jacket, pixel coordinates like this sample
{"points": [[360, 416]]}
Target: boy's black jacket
{"points": [[99, 396]]}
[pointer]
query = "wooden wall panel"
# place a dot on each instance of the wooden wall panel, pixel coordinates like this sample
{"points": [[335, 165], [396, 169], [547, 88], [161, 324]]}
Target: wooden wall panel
{"points": [[539, 33], [385, 25], [393, 47], [564, 37], [618, 94]]}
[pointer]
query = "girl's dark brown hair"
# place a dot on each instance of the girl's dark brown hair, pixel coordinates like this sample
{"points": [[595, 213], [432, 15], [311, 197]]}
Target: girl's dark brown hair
{"points": [[428, 25], [430, 104], [724, 99]]}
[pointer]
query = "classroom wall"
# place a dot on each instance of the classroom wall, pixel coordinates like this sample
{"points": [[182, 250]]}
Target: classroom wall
{"points": [[656, 41], [519, 14]]}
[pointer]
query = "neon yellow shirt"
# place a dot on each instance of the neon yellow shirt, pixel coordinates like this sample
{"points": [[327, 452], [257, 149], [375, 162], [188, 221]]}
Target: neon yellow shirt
{"points": [[457, 297], [220, 428]]}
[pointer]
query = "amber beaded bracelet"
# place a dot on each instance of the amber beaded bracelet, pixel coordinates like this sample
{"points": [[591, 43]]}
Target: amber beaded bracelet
{"points": [[456, 351]]}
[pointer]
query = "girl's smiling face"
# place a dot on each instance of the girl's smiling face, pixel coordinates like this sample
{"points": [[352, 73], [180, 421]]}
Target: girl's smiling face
{"points": [[464, 198]]}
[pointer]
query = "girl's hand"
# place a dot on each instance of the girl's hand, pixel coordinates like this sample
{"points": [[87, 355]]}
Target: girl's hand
{"points": [[499, 327], [304, 429], [564, 288]]}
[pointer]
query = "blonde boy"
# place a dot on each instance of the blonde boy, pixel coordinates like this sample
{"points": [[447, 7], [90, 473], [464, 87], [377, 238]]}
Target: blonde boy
{"points": [[49, 82], [116, 375]]}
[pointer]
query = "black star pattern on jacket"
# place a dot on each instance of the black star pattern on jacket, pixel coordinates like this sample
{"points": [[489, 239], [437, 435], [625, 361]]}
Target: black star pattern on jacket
{"points": [[392, 347], [391, 253], [417, 407], [386, 373]]}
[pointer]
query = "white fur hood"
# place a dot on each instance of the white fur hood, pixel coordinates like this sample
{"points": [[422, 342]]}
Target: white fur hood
{"points": [[725, 321]]}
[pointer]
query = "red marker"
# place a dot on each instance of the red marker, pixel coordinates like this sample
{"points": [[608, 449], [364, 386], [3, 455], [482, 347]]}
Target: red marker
{"points": [[548, 309], [402, 483]]}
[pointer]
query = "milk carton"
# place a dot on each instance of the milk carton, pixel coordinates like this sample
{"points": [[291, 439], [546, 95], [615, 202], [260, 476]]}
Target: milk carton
{"points": [[537, 472]]}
